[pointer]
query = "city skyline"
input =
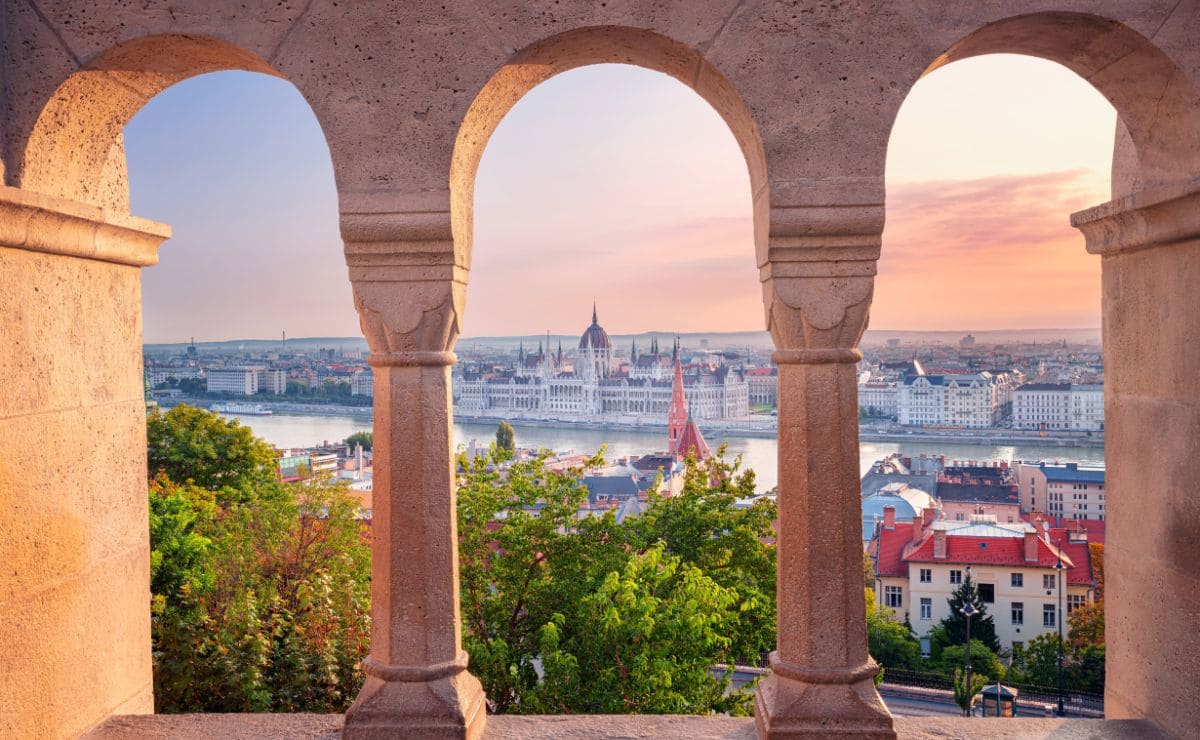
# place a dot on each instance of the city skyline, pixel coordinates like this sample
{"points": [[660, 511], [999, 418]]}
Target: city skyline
{"points": [[981, 178]]}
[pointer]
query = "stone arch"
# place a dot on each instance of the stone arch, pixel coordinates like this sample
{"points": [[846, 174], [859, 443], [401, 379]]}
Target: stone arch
{"points": [[1158, 105], [75, 149], [580, 48]]}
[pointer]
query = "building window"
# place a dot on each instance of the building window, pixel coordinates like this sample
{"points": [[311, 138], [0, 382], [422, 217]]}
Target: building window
{"points": [[926, 608], [956, 576], [926, 575], [1018, 612], [1018, 580], [1048, 619], [1074, 601], [893, 596], [987, 592], [1048, 582]]}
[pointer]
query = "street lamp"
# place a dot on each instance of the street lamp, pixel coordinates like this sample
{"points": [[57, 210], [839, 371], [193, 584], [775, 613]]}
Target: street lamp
{"points": [[968, 610], [1062, 712]]}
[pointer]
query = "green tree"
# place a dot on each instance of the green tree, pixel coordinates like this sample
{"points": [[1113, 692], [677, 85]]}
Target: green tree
{"points": [[361, 438], [965, 690], [983, 660], [192, 446], [506, 438], [891, 643], [1086, 670], [260, 590], [618, 622], [954, 626], [652, 631], [1037, 662]]}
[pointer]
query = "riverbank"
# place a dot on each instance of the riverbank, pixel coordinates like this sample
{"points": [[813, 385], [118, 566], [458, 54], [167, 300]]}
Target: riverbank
{"points": [[764, 428]]}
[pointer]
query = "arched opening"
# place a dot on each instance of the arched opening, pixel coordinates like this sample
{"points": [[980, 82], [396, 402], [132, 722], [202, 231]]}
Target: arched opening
{"points": [[992, 225], [583, 133]]}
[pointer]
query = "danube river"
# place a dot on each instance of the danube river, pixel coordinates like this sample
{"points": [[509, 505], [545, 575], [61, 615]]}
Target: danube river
{"points": [[288, 430]]}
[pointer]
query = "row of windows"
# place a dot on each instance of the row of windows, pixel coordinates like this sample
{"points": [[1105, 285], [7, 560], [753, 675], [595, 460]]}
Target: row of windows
{"points": [[1017, 581]]}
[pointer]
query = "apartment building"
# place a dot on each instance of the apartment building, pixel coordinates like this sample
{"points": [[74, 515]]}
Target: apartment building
{"points": [[238, 380], [1069, 490], [920, 563]]}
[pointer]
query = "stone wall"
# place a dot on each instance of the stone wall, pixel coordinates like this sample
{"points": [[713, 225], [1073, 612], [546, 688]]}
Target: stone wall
{"points": [[408, 94]]}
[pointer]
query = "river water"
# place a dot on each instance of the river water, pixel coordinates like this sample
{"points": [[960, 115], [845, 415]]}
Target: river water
{"points": [[294, 430]]}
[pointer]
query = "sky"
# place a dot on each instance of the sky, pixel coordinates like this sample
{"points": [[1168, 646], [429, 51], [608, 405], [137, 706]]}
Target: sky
{"points": [[621, 185]]}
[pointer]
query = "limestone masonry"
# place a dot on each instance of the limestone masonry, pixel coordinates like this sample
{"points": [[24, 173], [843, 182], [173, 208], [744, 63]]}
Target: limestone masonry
{"points": [[408, 94]]}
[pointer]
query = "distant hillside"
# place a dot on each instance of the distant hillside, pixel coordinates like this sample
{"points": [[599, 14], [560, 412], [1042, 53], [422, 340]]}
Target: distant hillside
{"points": [[754, 340]]}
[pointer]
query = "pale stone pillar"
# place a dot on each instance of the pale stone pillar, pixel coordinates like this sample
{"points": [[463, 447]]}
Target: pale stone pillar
{"points": [[1149, 243], [817, 284], [74, 540], [409, 288]]}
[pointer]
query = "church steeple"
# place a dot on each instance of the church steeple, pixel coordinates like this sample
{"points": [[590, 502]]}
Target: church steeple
{"points": [[595, 320], [633, 352], [521, 353], [677, 414]]}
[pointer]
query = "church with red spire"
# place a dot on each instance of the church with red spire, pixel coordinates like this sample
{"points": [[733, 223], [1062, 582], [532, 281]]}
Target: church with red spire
{"points": [[683, 434]]}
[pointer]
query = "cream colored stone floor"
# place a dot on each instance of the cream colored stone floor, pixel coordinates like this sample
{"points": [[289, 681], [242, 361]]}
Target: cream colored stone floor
{"points": [[328, 727]]}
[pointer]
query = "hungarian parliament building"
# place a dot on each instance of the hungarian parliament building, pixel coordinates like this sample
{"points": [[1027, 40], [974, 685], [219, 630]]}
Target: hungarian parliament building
{"points": [[596, 385]]}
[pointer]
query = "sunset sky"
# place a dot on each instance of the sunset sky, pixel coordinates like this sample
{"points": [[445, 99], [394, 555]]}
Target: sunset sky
{"points": [[621, 184]]}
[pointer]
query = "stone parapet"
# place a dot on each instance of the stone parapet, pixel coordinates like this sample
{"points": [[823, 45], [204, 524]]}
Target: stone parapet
{"points": [[44, 223], [1156, 217]]}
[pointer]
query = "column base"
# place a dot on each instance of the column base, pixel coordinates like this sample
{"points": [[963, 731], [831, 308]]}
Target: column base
{"points": [[442, 707], [794, 702]]}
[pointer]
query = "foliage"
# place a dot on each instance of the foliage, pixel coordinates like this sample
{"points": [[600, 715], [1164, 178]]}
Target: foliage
{"points": [[890, 643], [1086, 625], [964, 691], [983, 661], [868, 571], [954, 626], [1096, 552], [506, 438], [620, 616], [1037, 662], [260, 601], [1083, 666], [196, 447], [366, 439]]}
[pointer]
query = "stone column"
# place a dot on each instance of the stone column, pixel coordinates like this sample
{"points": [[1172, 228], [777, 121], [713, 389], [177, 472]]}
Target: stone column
{"points": [[75, 586], [1149, 245], [817, 282], [409, 288]]}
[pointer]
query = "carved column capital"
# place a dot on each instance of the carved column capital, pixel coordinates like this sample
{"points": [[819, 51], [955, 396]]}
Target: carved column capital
{"points": [[409, 284], [1156, 217], [818, 279]]}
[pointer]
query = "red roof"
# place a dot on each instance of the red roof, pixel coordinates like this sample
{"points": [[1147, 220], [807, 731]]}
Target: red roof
{"points": [[983, 551], [893, 550], [888, 550], [691, 442], [1094, 527]]}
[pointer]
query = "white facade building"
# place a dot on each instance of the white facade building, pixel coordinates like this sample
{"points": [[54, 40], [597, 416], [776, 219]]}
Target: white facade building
{"points": [[1042, 406], [878, 398], [156, 376], [542, 386], [1087, 407], [240, 380], [362, 383], [272, 381]]}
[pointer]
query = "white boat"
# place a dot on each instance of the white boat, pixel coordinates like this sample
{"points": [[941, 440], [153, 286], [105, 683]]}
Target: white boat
{"points": [[242, 409]]}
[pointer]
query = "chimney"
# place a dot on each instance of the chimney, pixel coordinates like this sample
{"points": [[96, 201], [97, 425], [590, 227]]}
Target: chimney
{"points": [[918, 526], [939, 544], [1031, 547], [889, 517], [927, 516]]}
